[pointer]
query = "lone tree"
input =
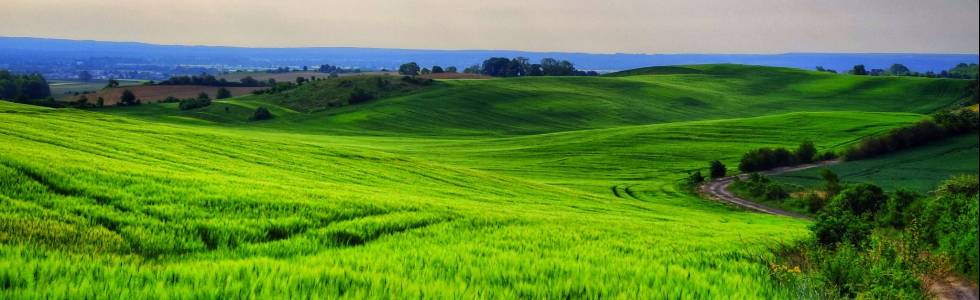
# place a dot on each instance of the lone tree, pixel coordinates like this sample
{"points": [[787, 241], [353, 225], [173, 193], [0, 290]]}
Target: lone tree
{"points": [[437, 69], [410, 69], [718, 169], [127, 98], [449, 69], [859, 70], [112, 83], [261, 113], [806, 152], [223, 93]]}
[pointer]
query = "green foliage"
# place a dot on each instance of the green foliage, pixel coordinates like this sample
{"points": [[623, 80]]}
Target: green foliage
{"points": [[950, 221], [261, 113], [919, 169], [943, 124], [23, 88], [769, 158], [128, 98], [222, 93], [409, 69], [202, 100], [718, 169]]}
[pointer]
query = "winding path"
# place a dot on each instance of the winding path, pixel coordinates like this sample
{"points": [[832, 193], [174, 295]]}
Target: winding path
{"points": [[718, 189], [944, 288]]}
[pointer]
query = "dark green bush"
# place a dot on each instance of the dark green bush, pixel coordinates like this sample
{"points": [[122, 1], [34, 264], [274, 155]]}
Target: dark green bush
{"points": [[261, 113]]}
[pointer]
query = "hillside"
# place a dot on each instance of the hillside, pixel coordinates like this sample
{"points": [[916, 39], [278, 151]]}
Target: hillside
{"points": [[920, 169], [520, 106], [521, 187]]}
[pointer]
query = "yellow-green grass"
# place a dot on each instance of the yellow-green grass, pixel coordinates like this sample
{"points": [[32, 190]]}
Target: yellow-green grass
{"points": [[481, 199], [522, 106]]}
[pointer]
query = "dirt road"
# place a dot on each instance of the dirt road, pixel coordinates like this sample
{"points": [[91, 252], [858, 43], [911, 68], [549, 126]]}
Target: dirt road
{"points": [[718, 189]]}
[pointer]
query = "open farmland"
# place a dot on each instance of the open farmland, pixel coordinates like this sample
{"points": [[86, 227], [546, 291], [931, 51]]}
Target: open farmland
{"points": [[64, 90], [549, 187], [920, 169], [153, 93]]}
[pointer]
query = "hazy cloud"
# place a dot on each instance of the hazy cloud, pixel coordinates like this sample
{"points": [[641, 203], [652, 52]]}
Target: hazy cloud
{"points": [[668, 26]]}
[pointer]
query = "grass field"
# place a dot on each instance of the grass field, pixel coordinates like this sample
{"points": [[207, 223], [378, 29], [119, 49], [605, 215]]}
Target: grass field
{"points": [[504, 188], [920, 169]]}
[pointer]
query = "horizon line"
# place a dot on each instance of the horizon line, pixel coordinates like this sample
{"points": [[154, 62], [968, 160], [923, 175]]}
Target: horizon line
{"points": [[471, 49]]}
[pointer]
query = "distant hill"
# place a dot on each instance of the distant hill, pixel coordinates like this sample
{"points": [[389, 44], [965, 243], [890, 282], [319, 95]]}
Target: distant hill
{"points": [[20, 49]]}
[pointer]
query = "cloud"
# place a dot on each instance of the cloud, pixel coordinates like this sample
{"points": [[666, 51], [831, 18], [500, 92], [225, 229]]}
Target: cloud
{"points": [[667, 26]]}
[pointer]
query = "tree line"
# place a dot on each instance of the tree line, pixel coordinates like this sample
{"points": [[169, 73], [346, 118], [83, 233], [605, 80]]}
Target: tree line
{"points": [[505, 67], [942, 124], [210, 80], [770, 158], [23, 88], [960, 71]]}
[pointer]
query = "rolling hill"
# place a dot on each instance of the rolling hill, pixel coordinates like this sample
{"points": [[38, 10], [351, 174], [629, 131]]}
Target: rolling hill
{"points": [[504, 188]]}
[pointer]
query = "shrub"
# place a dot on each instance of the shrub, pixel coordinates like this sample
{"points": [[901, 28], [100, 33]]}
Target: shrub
{"points": [[835, 225], [695, 178], [202, 101], [718, 169], [359, 95], [128, 98], [261, 113], [806, 152], [223, 93], [862, 199]]}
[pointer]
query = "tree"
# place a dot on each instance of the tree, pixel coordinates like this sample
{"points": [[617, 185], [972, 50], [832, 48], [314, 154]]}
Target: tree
{"points": [[261, 113], [223, 93], [203, 96], [495, 66], [806, 152], [84, 76], [695, 178], [100, 102], [410, 69], [112, 83], [425, 71], [300, 80], [449, 69], [899, 70], [474, 69], [718, 169], [127, 98], [437, 69], [859, 70], [831, 183]]}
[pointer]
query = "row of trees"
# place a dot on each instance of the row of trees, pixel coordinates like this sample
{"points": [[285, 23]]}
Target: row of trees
{"points": [[961, 71], [505, 67], [23, 88], [943, 124], [413, 69], [521, 66], [769, 158], [209, 80]]}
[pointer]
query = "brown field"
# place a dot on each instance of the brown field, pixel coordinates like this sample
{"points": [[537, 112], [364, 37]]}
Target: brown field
{"points": [[153, 93], [291, 76], [455, 76]]}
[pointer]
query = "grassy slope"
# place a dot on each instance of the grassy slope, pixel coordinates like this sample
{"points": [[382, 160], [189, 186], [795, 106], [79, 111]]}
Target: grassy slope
{"points": [[91, 199], [920, 169], [112, 198], [521, 106]]}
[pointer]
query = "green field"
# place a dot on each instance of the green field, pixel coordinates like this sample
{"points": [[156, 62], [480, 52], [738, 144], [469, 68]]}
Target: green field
{"points": [[920, 169], [506, 188]]}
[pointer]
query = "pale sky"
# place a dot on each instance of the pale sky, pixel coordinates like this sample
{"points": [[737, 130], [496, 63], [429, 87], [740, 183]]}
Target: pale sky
{"points": [[630, 26]]}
